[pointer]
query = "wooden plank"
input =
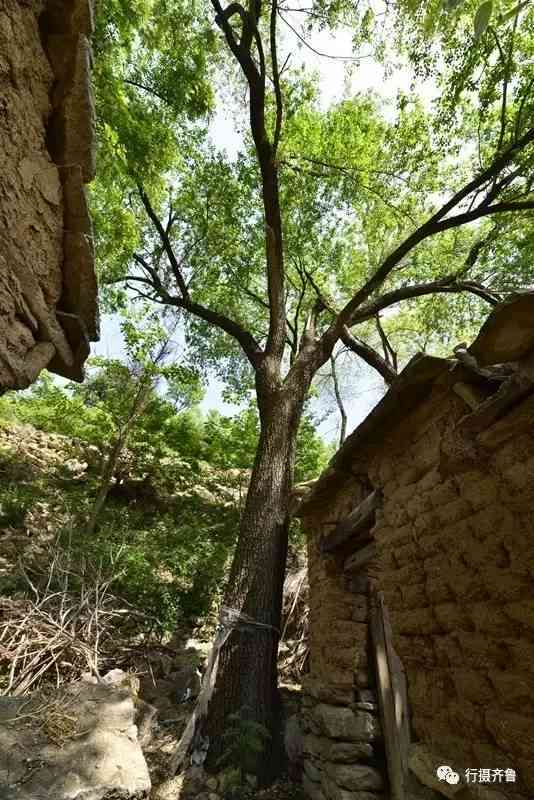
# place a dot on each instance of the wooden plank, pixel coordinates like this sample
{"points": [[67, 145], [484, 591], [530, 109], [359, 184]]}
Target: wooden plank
{"points": [[359, 519], [387, 701], [511, 391], [470, 394], [360, 558], [400, 689]]}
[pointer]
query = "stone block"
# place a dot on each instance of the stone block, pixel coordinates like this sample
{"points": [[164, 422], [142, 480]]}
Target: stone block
{"points": [[430, 541], [346, 725], [514, 689], [334, 694], [443, 494], [487, 618], [454, 511], [312, 790], [438, 589], [100, 754], [451, 616], [348, 752], [521, 612], [465, 716], [419, 621], [473, 685], [311, 771], [334, 792], [343, 633], [503, 585], [316, 746], [355, 776], [358, 584]]}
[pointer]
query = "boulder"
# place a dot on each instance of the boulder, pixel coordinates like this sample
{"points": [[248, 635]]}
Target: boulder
{"points": [[78, 742]]}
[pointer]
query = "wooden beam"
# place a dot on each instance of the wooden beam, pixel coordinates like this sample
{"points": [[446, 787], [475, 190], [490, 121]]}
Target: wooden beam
{"points": [[470, 394], [359, 519], [360, 558], [510, 392], [391, 699]]}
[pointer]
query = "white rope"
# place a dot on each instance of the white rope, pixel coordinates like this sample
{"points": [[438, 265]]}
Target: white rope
{"points": [[230, 619]]}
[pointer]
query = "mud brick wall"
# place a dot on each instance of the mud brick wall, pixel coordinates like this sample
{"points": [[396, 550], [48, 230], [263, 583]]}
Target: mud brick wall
{"points": [[456, 565], [343, 754], [48, 298], [455, 562]]}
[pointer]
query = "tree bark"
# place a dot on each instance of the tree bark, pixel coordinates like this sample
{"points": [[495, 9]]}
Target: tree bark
{"points": [[247, 674]]}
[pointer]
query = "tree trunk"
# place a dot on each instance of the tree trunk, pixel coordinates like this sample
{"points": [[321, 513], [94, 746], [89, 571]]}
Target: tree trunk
{"points": [[247, 675], [118, 446]]}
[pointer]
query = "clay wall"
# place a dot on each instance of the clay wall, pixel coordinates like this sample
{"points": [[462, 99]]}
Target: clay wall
{"points": [[455, 563], [48, 298]]}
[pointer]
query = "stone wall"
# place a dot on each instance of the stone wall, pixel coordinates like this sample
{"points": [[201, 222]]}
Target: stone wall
{"points": [[48, 298], [343, 753], [455, 563]]}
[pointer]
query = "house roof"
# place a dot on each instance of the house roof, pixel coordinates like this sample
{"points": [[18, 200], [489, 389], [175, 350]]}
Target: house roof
{"points": [[506, 336]]}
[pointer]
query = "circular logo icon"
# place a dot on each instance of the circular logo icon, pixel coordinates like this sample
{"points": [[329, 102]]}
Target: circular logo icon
{"points": [[442, 772]]}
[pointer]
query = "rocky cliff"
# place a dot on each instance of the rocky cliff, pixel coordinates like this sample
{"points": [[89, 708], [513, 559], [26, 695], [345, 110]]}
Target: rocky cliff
{"points": [[48, 295]]}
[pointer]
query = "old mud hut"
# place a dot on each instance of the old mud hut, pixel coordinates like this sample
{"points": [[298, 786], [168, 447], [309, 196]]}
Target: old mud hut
{"points": [[421, 563]]}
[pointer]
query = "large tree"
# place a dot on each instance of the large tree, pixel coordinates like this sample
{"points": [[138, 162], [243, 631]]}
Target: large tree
{"points": [[325, 222]]}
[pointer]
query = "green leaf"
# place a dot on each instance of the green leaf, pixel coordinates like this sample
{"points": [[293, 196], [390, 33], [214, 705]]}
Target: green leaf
{"points": [[482, 18], [513, 12]]}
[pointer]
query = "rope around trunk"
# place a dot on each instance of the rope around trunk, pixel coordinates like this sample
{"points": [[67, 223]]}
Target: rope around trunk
{"points": [[191, 741]]}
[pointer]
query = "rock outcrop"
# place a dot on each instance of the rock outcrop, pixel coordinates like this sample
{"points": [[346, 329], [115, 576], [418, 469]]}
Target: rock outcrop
{"points": [[48, 294], [78, 742]]}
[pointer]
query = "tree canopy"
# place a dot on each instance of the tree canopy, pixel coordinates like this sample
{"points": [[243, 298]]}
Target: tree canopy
{"points": [[381, 226]]}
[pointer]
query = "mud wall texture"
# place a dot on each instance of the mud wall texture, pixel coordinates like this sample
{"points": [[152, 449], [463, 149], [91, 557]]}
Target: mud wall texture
{"points": [[48, 296], [456, 565], [453, 544]]}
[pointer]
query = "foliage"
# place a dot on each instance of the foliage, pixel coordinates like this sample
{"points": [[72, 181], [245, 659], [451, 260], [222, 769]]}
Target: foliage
{"points": [[151, 78], [171, 519], [244, 740]]}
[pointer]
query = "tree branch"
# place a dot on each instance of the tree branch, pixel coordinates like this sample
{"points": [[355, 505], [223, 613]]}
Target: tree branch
{"points": [[369, 355], [165, 241], [448, 285], [276, 339], [436, 224], [276, 78], [339, 401], [248, 343], [389, 353]]}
